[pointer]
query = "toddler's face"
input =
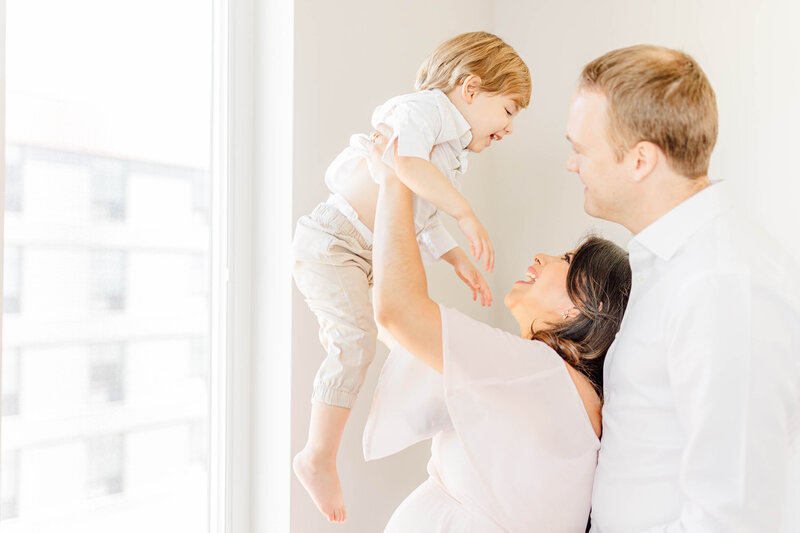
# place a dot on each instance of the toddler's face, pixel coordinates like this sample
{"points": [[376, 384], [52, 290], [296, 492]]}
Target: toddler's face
{"points": [[490, 116]]}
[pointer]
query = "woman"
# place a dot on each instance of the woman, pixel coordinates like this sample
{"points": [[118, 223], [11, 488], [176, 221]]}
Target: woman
{"points": [[515, 420]]}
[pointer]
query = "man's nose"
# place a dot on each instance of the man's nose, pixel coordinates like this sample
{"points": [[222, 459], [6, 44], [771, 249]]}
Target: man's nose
{"points": [[572, 163]]}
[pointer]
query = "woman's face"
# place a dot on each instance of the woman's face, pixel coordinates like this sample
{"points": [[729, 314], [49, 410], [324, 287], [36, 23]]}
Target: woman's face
{"points": [[541, 297]]}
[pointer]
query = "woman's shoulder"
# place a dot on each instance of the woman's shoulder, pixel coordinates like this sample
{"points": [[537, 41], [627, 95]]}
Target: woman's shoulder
{"points": [[477, 352], [471, 345]]}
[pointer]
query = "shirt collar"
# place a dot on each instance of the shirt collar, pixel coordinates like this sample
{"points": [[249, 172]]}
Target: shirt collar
{"points": [[455, 126], [668, 234]]}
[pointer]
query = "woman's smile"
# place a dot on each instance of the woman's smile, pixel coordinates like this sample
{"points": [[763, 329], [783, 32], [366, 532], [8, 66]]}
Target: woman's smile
{"points": [[530, 276]]}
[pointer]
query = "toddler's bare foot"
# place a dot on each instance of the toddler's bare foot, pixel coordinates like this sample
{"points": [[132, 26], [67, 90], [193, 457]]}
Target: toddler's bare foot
{"points": [[321, 481]]}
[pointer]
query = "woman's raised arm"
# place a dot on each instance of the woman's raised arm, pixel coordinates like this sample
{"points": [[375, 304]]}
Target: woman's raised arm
{"points": [[400, 293]]}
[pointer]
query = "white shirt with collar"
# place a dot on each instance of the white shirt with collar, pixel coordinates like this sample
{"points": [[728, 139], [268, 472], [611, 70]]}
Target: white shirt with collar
{"points": [[427, 125], [702, 385]]}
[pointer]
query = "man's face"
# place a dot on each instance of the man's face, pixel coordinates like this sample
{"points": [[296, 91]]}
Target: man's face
{"points": [[606, 192]]}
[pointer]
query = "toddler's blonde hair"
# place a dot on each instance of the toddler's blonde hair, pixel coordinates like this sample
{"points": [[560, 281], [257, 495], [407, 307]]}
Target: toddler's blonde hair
{"points": [[497, 64]]}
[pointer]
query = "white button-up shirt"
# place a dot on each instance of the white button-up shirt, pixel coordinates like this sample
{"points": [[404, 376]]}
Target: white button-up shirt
{"points": [[427, 125], [702, 385]]}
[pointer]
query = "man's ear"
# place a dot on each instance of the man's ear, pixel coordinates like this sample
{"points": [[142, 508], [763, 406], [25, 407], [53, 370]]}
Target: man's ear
{"points": [[645, 158], [470, 88]]}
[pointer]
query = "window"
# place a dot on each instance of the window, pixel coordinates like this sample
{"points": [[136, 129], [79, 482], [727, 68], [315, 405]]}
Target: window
{"points": [[108, 143], [109, 181], [197, 443], [104, 457], [11, 379], [201, 193], [198, 357], [13, 179], [12, 279], [9, 480], [108, 279], [106, 373]]}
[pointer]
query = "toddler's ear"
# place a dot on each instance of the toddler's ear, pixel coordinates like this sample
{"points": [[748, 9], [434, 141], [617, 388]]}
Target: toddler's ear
{"points": [[470, 87]]}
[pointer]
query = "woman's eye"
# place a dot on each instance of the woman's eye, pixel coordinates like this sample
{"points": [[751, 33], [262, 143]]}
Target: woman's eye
{"points": [[567, 258]]}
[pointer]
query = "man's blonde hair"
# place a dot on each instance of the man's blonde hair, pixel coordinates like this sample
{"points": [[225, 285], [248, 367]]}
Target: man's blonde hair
{"points": [[659, 95], [497, 64]]}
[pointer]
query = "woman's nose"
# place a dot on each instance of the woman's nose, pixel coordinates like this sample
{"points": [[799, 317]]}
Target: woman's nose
{"points": [[538, 259]]}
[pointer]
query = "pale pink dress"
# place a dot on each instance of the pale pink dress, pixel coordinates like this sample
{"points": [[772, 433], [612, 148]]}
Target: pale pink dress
{"points": [[513, 449]]}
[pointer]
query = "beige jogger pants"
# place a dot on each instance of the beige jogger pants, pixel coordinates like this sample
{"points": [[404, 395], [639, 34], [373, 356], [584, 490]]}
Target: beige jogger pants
{"points": [[333, 271]]}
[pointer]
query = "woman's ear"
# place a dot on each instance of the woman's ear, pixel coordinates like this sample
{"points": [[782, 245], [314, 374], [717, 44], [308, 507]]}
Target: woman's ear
{"points": [[470, 87], [572, 312]]}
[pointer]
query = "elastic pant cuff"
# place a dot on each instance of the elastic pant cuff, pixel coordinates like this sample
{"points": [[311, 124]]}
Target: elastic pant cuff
{"points": [[337, 397]]}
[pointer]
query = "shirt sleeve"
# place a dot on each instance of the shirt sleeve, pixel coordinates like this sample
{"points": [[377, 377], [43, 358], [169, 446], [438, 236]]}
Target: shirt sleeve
{"points": [[522, 424], [434, 240], [407, 407], [735, 387], [416, 125]]}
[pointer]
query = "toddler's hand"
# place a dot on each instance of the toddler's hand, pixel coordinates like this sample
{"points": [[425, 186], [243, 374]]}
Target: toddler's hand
{"points": [[479, 242], [472, 277]]}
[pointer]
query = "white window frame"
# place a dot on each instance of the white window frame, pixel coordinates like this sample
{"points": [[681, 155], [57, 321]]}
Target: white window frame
{"points": [[2, 166], [251, 219], [273, 225]]}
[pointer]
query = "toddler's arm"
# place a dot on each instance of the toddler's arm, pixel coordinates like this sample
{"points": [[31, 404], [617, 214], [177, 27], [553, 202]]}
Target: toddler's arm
{"points": [[469, 275], [427, 181]]}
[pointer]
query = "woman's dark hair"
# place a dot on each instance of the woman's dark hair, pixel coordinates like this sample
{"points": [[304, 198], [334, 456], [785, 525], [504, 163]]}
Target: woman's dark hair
{"points": [[598, 283]]}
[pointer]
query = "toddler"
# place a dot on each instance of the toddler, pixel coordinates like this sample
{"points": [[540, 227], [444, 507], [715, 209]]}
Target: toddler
{"points": [[467, 95]]}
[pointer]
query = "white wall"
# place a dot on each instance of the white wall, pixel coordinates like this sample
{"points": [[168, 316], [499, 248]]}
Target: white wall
{"points": [[352, 55]]}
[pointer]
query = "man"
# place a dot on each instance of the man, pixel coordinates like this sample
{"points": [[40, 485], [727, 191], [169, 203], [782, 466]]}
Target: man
{"points": [[702, 385]]}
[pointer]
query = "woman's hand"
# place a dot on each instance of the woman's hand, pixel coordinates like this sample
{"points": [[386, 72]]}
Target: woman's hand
{"points": [[376, 146]]}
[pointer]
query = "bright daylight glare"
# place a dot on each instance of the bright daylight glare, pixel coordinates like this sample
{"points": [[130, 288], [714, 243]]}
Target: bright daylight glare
{"points": [[106, 299]]}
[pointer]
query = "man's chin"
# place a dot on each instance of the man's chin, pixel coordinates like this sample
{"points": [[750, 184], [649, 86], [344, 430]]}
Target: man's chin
{"points": [[589, 207], [593, 210]]}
